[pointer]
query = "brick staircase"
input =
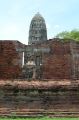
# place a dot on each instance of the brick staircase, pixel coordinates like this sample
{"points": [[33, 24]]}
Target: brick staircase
{"points": [[37, 113]]}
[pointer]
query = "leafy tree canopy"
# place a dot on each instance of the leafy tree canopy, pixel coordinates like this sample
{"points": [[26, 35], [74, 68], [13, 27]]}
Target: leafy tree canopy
{"points": [[74, 34]]}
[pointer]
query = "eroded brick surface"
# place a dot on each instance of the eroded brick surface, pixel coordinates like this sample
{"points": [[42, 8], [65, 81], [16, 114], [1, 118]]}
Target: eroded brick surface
{"points": [[34, 97], [56, 91], [10, 59], [62, 60]]}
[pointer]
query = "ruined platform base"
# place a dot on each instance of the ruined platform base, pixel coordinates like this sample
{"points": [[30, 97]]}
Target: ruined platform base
{"points": [[52, 98]]}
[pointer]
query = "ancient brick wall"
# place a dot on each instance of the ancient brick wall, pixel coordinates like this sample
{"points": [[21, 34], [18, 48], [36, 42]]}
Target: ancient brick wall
{"points": [[57, 64], [74, 47], [23, 97], [63, 60], [36, 100], [56, 59], [10, 59], [60, 59]]}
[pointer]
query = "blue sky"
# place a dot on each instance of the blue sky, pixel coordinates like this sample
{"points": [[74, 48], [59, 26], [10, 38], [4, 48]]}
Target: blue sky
{"points": [[16, 15]]}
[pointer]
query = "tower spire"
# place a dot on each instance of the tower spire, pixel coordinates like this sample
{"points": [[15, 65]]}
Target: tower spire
{"points": [[37, 31]]}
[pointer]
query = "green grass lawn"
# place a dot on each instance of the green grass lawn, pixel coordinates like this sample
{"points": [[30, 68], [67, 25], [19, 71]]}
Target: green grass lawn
{"points": [[43, 118]]}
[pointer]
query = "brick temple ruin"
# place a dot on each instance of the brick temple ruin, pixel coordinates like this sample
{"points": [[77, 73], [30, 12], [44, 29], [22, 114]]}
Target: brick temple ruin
{"points": [[41, 78]]}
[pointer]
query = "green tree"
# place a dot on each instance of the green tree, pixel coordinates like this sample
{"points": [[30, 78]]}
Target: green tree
{"points": [[74, 34]]}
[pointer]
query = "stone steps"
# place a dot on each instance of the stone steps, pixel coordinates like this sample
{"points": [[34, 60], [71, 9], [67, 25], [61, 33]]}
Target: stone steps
{"points": [[36, 113]]}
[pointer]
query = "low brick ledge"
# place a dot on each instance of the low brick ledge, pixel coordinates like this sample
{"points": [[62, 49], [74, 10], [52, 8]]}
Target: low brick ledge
{"points": [[39, 84]]}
